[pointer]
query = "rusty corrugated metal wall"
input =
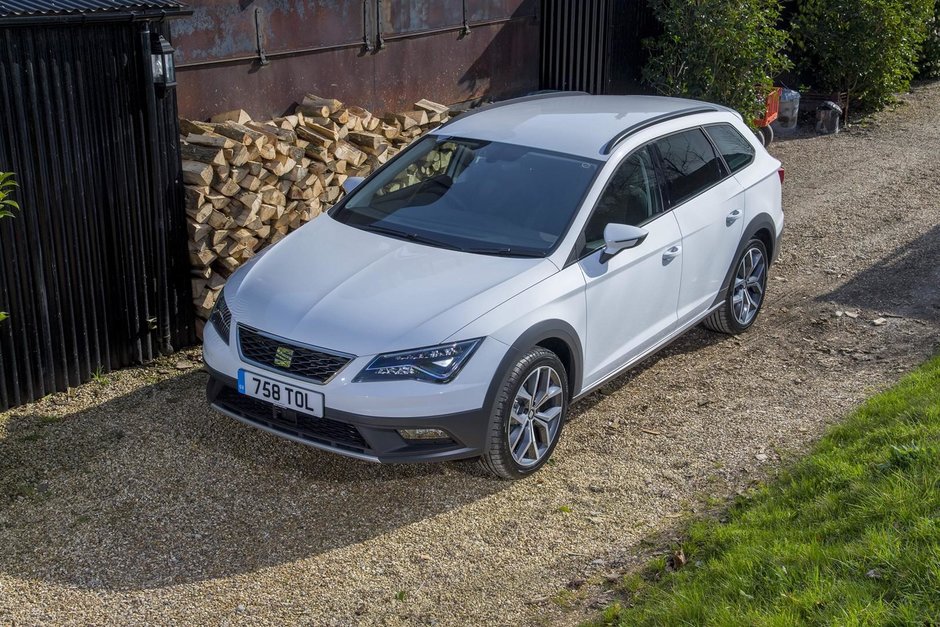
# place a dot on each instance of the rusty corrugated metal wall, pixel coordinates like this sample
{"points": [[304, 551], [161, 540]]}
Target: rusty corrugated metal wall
{"points": [[382, 54]]}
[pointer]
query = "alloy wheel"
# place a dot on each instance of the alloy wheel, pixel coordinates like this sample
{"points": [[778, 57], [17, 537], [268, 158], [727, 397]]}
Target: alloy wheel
{"points": [[749, 284], [535, 416]]}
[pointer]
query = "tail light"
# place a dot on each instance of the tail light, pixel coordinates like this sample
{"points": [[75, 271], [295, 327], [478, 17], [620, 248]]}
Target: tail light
{"points": [[783, 175]]}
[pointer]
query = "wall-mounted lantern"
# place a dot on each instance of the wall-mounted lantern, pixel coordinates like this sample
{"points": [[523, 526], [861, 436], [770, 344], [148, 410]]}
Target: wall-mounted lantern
{"points": [[161, 58]]}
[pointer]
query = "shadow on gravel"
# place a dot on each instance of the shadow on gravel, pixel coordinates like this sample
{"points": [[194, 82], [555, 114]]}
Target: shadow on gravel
{"points": [[693, 340], [153, 489], [906, 283]]}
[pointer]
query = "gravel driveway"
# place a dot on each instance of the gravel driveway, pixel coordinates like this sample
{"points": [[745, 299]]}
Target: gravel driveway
{"points": [[128, 501]]}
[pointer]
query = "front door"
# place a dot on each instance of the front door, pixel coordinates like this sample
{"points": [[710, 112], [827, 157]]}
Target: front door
{"points": [[631, 297]]}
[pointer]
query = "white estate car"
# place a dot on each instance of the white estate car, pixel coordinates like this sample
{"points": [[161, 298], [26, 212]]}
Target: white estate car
{"points": [[456, 302]]}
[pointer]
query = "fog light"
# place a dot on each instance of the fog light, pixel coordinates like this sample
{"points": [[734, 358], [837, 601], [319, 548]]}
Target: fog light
{"points": [[423, 434]]}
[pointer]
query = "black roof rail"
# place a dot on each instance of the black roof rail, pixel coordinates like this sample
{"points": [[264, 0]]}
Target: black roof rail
{"points": [[541, 92], [653, 121], [539, 95]]}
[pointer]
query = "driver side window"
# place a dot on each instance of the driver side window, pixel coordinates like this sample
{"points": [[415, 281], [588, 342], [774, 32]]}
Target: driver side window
{"points": [[632, 196]]}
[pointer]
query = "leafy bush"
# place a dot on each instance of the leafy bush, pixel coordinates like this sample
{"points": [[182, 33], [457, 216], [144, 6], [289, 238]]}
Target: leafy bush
{"points": [[6, 188], [866, 48], [930, 57], [7, 204], [724, 51]]}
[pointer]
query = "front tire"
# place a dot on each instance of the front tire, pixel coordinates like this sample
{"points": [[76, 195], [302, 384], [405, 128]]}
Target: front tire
{"points": [[746, 292], [528, 416]]}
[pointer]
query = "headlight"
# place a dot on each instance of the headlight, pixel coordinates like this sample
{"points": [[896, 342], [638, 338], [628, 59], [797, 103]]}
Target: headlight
{"points": [[435, 364], [221, 318]]}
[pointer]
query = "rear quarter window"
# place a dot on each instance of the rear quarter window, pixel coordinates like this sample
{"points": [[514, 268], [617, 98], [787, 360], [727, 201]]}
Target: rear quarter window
{"points": [[734, 147]]}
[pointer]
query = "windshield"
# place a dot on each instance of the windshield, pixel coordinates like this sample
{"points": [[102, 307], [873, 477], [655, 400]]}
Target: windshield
{"points": [[475, 196]]}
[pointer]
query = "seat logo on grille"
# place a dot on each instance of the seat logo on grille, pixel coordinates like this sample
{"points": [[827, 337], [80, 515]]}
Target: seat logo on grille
{"points": [[283, 357]]}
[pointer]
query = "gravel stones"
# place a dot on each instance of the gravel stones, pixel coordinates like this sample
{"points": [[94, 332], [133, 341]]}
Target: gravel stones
{"points": [[136, 504]]}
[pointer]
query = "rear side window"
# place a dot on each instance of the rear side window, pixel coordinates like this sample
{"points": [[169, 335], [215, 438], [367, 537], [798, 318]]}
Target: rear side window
{"points": [[737, 151], [690, 164]]}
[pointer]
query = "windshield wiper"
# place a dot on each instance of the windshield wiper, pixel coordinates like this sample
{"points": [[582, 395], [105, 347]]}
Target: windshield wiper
{"points": [[502, 252], [411, 237]]}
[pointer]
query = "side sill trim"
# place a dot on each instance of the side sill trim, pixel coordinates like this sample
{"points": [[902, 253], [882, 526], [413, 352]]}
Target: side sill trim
{"points": [[653, 349]]}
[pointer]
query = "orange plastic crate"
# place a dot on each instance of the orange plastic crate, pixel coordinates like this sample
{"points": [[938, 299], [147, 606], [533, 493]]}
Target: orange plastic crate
{"points": [[773, 108]]}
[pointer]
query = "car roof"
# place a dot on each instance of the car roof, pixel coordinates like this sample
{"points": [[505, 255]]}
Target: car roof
{"points": [[572, 123]]}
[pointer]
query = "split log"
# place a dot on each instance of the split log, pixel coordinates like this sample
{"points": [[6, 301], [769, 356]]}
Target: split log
{"points": [[200, 215], [348, 152], [211, 140], [228, 187], [206, 154], [196, 173], [436, 112], [311, 101], [197, 231], [189, 126], [239, 116]]}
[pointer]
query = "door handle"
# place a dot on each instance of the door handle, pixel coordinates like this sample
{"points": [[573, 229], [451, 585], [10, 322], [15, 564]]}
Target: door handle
{"points": [[733, 217], [671, 254]]}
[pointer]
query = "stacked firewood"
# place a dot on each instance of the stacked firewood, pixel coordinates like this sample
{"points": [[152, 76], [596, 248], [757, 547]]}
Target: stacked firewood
{"points": [[249, 184]]}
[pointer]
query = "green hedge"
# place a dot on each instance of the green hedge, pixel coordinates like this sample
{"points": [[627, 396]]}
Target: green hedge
{"points": [[930, 57], [866, 48], [724, 51]]}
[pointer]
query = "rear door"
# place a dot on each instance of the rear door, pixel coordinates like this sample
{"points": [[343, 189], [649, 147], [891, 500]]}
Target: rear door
{"points": [[708, 204]]}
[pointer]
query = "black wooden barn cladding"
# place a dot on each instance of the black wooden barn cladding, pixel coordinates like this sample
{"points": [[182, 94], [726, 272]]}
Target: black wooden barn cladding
{"points": [[594, 45], [94, 268]]}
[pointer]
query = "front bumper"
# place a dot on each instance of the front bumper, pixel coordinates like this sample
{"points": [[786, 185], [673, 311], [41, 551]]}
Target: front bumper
{"points": [[370, 438]]}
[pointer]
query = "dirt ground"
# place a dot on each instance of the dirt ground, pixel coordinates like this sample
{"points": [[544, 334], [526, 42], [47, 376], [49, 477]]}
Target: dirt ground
{"points": [[128, 501]]}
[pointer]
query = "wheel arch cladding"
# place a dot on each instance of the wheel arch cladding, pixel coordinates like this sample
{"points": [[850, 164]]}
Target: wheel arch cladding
{"points": [[555, 335], [561, 348], [765, 236]]}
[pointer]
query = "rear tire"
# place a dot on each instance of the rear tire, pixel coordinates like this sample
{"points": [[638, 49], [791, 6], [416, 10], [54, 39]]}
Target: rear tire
{"points": [[527, 419], [745, 293]]}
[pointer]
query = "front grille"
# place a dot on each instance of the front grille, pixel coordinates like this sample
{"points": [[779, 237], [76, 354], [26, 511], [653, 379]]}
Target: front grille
{"points": [[316, 365], [319, 430]]}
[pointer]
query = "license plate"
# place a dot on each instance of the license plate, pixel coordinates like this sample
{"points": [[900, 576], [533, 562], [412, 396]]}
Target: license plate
{"points": [[280, 393]]}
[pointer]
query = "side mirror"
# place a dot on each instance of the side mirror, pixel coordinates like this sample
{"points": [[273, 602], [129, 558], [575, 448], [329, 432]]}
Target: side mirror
{"points": [[352, 183], [620, 237]]}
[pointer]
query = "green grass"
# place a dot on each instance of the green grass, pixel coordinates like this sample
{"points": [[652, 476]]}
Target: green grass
{"points": [[98, 377], [850, 535]]}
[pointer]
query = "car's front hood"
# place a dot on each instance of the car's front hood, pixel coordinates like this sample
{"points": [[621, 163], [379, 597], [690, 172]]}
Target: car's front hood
{"points": [[345, 289]]}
